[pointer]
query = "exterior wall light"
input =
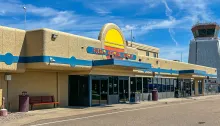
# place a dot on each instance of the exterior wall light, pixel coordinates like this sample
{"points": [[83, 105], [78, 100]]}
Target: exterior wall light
{"points": [[53, 36], [7, 77], [52, 60]]}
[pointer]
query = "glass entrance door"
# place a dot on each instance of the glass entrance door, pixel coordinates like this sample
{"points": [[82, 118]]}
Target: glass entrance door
{"points": [[123, 90], [99, 92], [104, 92], [96, 92]]}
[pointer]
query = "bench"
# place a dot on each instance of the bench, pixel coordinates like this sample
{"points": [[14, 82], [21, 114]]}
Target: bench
{"points": [[42, 100]]}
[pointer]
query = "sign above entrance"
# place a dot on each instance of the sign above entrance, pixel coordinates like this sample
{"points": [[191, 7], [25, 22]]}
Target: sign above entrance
{"points": [[113, 42], [108, 53]]}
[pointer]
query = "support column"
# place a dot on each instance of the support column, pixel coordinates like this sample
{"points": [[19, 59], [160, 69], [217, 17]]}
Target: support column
{"points": [[90, 91], [191, 84], [142, 89], [129, 89], [203, 87], [196, 87]]}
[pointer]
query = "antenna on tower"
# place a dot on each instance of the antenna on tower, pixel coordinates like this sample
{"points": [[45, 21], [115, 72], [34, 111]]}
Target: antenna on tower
{"points": [[131, 38]]}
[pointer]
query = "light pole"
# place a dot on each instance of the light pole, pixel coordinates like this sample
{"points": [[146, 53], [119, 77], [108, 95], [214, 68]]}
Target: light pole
{"points": [[181, 56], [24, 17]]}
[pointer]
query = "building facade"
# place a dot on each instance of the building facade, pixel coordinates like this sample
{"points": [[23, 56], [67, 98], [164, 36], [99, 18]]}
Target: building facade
{"points": [[80, 71], [204, 47]]}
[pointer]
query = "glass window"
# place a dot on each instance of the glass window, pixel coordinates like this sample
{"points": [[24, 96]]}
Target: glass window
{"points": [[163, 85], [171, 85], [133, 84], [145, 85], [154, 82], [168, 85], [175, 84], [193, 85], [147, 53], [139, 84], [155, 54], [115, 85], [210, 32], [202, 32], [159, 85], [110, 85], [150, 84]]}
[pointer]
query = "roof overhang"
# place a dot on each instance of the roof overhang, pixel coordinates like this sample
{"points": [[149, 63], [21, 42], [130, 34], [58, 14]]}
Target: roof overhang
{"points": [[197, 72], [123, 63]]}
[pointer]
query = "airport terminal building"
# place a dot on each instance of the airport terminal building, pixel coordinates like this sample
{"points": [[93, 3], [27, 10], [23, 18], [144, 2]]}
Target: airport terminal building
{"points": [[81, 71]]}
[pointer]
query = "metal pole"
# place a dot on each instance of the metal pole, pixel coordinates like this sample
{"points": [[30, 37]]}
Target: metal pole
{"points": [[181, 56], [24, 17], [129, 89], [131, 38], [8, 107], [142, 87]]}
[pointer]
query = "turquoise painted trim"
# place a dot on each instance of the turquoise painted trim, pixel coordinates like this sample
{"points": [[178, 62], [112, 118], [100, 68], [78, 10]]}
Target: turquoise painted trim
{"points": [[8, 59], [159, 70], [197, 72], [170, 71]]}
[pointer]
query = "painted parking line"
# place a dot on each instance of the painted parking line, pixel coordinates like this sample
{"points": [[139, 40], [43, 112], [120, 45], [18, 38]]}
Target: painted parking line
{"points": [[98, 115]]}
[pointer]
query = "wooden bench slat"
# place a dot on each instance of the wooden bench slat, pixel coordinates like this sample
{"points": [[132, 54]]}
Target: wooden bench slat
{"points": [[42, 100], [45, 103]]}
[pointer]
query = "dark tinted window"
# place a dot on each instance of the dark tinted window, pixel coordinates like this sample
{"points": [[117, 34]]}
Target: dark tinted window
{"points": [[155, 54], [147, 53], [145, 85], [150, 84], [210, 32], [139, 84], [202, 32]]}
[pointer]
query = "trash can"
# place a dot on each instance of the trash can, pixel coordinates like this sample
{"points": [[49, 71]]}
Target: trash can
{"points": [[23, 102], [154, 95]]}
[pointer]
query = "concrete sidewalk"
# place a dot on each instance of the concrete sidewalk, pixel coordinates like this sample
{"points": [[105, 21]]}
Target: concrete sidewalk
{"points": [[36, 115]]}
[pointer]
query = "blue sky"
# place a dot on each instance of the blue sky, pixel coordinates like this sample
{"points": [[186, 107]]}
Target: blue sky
{"points": [[165, 24]]}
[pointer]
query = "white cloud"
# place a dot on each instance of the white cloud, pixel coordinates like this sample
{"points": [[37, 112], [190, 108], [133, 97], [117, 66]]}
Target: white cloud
{"points": [[172, 19], [41, 11], [101, 10], [197, 10], [172, 34]]}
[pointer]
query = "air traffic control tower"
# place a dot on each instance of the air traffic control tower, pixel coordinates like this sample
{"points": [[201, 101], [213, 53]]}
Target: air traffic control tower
{"points": [[204, 48]]}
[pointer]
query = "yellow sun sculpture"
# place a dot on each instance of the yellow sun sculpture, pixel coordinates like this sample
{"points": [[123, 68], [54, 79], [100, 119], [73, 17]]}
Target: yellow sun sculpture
{"points": [[113, 41]]}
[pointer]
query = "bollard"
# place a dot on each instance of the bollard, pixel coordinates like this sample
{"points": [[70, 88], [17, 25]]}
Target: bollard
{"points": [[3, 111]]}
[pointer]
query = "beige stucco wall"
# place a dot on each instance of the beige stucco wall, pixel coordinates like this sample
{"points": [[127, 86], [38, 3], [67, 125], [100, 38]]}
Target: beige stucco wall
{"points": [[12, 41], [169, 64], [63, 89], [36, 84], [39, 43]]}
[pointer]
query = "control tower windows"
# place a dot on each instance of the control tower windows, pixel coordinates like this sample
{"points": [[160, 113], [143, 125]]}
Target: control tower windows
{"points": [[210, 32]]}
